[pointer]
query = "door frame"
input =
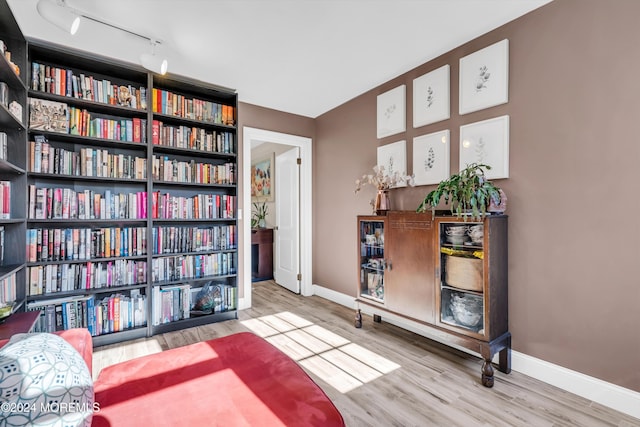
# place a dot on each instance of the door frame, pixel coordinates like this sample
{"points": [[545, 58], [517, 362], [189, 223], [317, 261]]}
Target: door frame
{"points": [[249, 135]]}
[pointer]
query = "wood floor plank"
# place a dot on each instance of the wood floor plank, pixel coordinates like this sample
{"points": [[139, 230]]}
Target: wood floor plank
{"points": [[382, 375]]}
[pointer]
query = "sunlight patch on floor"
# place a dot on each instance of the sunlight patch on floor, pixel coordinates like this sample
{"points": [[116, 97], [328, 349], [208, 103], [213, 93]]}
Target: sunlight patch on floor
{"points": [[340, 363], [124, 351]]}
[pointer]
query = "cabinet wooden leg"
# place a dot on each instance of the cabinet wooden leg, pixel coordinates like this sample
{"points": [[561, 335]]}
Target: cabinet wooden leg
{"points": [[358, 321], [377, 318], [504, 360], [487, 373]]}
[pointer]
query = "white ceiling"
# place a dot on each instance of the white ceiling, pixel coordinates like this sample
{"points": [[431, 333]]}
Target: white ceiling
{"points": [[299, 56]]}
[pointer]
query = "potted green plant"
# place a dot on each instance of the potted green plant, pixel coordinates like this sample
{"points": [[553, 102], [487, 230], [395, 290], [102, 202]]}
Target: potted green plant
{"points": [[468, 192], [259, 214]]}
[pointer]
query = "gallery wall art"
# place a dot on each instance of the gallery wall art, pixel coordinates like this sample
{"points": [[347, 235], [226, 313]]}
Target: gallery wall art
{"points": [[431, 97], [486, 142], [431, 154], [484, 78], [391, 116], [394, 159]]}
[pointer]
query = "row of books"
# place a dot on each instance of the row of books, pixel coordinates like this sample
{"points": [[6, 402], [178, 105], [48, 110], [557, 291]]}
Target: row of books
{"points": [[5, 199], [64, 82], [77, 244], [168, 240], [200, 206], [66, 203], [181, 267], [173, 303], [170, 303], [92, 162], [52, 278], [173, 170], [3, 146], [83, 123], [192, 138], [8, 288], [114, 313], [174, 104]]}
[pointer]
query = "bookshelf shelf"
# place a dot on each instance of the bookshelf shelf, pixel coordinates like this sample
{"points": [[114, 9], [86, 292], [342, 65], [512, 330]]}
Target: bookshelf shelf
{"points": [[160, 221], [6, 166], [93, 222], [78, 178], [192, 280], [98, 142], [88, 291], [8, 76], [116, 337], [192, 122], [162, 149], [98, 107], [191, 184], [12, 221], [7, 270], [84, 261], [8, 120], [100, 155]]}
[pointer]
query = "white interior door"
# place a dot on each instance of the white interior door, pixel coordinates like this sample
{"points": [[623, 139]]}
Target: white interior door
{"points": [[287, 233]]}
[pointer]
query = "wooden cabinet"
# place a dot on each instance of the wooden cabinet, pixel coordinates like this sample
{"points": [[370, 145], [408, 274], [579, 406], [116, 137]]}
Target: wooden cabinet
{"points": [[447, 274], [261, 254], [410, 279]]}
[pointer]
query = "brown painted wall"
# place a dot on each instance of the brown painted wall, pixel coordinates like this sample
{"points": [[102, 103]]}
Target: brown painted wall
{"points": [[574, 104]]}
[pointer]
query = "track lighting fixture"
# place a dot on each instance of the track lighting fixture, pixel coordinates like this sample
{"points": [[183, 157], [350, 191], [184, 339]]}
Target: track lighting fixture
{"points": [[152, 62], [61, 15], [57, 12]]}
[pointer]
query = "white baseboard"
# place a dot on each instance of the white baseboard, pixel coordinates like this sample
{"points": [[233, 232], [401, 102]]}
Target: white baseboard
{"points": [[599, 391]]}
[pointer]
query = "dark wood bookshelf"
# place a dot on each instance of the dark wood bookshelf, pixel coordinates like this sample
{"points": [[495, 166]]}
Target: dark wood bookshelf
{"points": [[13, 168], [16, 167]]}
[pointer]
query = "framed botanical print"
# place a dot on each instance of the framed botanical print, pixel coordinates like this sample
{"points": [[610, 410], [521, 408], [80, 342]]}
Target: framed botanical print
{"points": [[486, 142], [391, 112], [431, 158], [431, 97], [394, 159], [484, 78]]}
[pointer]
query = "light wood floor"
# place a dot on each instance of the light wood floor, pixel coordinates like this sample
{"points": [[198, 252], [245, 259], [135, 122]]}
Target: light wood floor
{"points": [[407, 380]]}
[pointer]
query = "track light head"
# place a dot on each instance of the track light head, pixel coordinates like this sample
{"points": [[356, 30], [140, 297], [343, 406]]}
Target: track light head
{"points": [[58, 14], [153, 62]]}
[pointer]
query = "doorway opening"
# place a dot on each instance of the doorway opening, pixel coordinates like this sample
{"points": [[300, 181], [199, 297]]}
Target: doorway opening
{"points": [[256, 137]]}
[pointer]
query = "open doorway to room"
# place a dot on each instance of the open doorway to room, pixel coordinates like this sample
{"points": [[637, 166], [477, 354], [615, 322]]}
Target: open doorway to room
{"points": [[275, 157]]}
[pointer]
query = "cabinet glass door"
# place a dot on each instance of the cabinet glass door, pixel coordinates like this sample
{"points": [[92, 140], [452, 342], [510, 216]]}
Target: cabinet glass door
{"points": [[372, 262], [462, 275]]}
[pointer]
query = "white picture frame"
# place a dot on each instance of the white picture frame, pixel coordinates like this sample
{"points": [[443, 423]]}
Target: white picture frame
{"points": [[431, 158], [431, 97], [391, 112], [484, 78], [394, 159], [486, 142]]}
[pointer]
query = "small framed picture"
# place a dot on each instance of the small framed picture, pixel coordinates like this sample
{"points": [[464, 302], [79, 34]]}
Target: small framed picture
{"points": [[262, 179], [431, 154], [486, 142], [484, 78], [394, 159], [392, 117], [431, 97]]}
